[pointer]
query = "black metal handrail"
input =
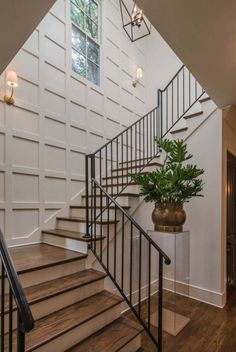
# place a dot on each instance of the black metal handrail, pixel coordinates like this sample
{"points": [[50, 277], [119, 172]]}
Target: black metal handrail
{"points": [[177, 98], [25, 321], [108, 170], [115, 269]]}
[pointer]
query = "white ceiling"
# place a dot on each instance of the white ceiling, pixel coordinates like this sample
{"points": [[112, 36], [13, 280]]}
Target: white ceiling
{"points": [[18, 19], [203, 34]]}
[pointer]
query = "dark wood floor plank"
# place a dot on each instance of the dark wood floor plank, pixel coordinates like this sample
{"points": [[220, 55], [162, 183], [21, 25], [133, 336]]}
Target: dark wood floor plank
{"points": [[211, 329]]}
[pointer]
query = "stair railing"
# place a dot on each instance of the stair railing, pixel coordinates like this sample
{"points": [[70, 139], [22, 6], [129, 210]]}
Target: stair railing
{"points": [[177, 98], [13, 300], [108, 173], [132, 260]]}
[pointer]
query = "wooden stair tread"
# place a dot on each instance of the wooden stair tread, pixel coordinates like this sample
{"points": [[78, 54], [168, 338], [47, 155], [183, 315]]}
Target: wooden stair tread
{"points": [[193, 115], [56, 324], [141, 159], [179, 130], [111, 338], [81, 220], [52, 288], [79, 236], [114, 195], [134, 166], [203, 100], [110, 207], [120, 184], [38, 256], [124, 176]]}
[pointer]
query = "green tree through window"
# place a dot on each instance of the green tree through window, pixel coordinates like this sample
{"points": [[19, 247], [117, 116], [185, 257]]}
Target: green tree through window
{"points": [[85, 39]]}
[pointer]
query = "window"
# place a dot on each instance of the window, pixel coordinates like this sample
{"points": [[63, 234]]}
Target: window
{"points": [[85, 39]]}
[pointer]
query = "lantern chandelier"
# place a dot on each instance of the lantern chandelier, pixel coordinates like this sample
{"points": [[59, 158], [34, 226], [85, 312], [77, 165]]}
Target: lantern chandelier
{"points": [[134, 21]]}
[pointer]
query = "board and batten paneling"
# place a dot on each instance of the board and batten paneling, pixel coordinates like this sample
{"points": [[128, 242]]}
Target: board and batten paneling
{"points": [[58, 117]]}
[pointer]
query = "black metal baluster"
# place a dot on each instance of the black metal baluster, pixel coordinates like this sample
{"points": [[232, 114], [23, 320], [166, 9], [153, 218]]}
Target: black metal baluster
{"points": [[20, 335], [183, 92], [149, 284], [115, 243], [108, 232], [146, 132], [106, 167], [127, 155], [117, 165], [140, 274], [10, 324], [131, 152], [2, 307], [189, 93], [112, 171], [167, 111], [177, 97], [122, 251], [140, 148], [135, 146], [100, 201], [143, 139], [96, 223], [131, 264], [122, 159], [160, 302], [87, 195], [172, 101]]}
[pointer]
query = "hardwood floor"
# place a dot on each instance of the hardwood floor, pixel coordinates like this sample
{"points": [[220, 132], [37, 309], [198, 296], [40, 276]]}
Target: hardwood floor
{"points": [[211, 329]]}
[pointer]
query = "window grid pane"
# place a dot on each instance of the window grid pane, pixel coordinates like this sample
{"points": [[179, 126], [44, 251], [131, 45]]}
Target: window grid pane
{"points": [[85, 51]]}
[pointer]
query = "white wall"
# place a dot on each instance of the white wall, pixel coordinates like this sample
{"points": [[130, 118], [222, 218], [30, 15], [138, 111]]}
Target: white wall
{"points": [[59, 117], [204, 220]]}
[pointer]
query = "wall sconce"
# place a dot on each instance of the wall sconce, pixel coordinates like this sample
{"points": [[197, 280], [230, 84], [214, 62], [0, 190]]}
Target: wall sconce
{"points": [[13, 83], [139, 75]]}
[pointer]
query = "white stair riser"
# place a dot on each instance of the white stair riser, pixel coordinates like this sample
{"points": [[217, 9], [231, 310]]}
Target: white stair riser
{"points": [[53, 304], [133, 171], [78, 226], [80, 213], [67, 243], [124, 200], [73, 337], [53, 272], [138, 162], [133, 345], [113, 189]]}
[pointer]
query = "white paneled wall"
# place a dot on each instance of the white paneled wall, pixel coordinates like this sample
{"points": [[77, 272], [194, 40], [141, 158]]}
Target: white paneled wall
{"points": [[58, 117]]}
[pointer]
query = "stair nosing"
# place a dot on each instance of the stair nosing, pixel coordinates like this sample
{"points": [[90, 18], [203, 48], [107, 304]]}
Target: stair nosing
{"points": [[76, 325], [203, 100], [120, 195], [48, 265], [62, 291], [124, 176], [193, 115], [135, 166], [84, 207], [75, 219], [179, 130], [122, 318], [82, 239]]}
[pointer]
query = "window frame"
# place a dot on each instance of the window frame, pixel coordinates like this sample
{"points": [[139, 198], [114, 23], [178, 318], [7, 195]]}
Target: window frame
{"points": [[88, 38]]}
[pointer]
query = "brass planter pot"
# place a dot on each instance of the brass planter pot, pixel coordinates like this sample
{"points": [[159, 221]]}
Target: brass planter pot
{"points": [[169, 217]]}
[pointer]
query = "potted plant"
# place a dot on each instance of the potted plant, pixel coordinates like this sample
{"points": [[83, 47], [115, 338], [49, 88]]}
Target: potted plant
{"points": [[170, 186]]}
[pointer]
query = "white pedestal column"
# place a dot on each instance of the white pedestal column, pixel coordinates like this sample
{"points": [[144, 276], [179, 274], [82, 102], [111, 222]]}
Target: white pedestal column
{"points": [[176, 277]]}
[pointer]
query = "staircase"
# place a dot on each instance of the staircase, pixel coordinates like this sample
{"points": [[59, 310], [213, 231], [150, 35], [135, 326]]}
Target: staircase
{"points": [[98, 262]]}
